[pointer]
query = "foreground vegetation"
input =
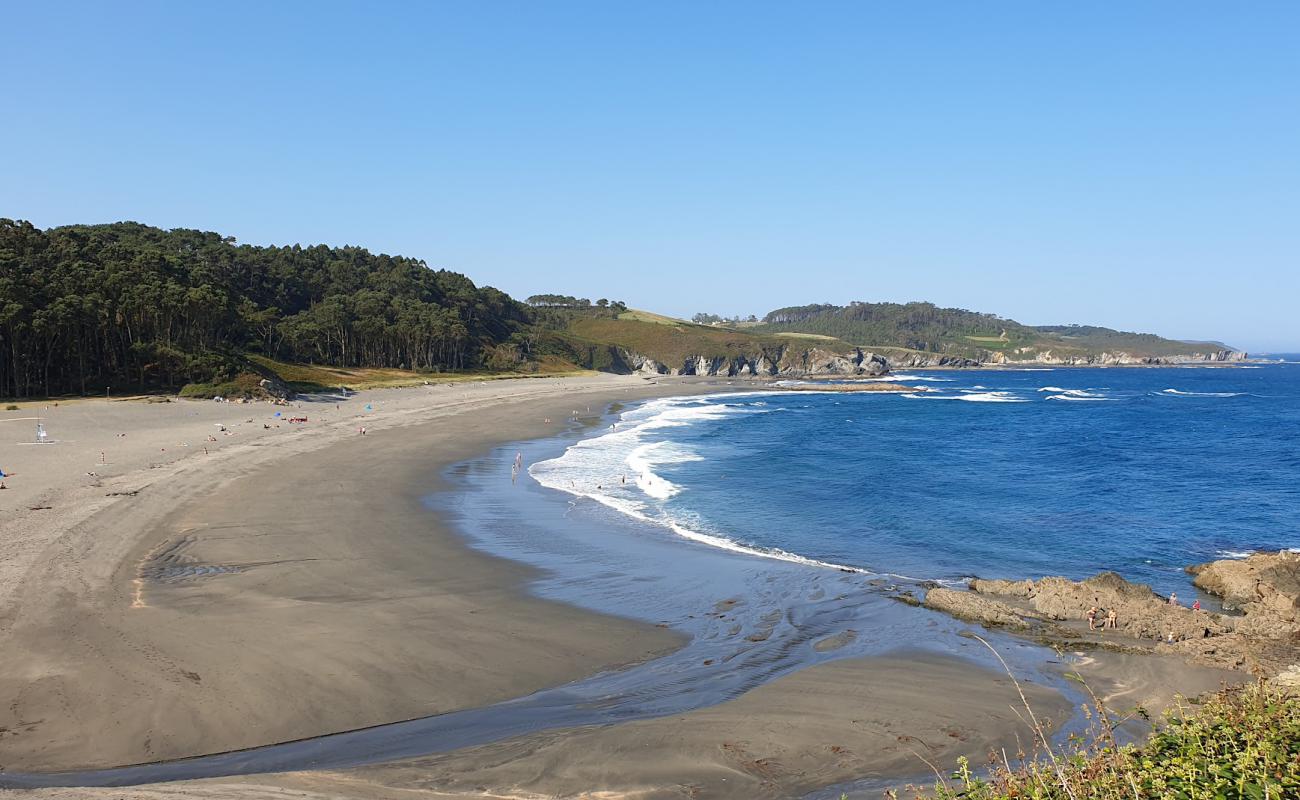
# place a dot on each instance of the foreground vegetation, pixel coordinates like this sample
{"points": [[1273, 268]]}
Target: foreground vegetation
{"points": [[1240, 743]]}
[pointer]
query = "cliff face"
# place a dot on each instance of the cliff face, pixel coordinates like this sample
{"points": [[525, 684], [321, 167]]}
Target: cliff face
{"points": [[1030, 356], [785, 361], [793, 361]]}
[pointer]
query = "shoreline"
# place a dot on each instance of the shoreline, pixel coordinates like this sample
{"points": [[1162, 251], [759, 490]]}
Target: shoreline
{"points": [[211, 510], [568, 746], [221, 568]]}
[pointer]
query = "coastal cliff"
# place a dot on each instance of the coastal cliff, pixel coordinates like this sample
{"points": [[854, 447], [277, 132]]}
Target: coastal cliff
{"points": [[1033, 356], [779, 361], [791, 361]]}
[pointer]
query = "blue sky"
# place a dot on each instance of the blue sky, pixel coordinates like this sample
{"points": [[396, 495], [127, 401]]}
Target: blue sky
{"points": [[1128, 164]]}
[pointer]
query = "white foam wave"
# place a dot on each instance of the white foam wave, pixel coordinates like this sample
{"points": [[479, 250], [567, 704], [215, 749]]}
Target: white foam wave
{"points": [[906, 377], [596, 469], [1249, 553], [1179, 393], [1074, 398], [618, 468], [1077, 395], [643, 460], [971, 396]]}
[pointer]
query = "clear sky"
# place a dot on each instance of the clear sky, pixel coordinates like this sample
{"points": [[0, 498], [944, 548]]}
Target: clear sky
{"points": [[1132, 164]]}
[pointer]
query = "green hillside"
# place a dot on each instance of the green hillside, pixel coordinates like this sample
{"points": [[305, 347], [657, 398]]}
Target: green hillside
{"points": [[954, 331], [138, 308], [597, 339], [85, 307]]}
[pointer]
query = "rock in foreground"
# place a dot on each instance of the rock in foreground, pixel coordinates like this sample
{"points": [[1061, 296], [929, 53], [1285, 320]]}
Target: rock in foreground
{"points": [[1264, 638]]}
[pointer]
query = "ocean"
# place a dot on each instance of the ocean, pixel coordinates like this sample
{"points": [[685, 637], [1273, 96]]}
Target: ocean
{"points": [[993, 473]]}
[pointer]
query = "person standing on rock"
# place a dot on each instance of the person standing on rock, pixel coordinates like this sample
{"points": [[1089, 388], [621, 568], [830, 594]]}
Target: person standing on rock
{"points": [[1092, 618], [1112, 619], [1173, 599]]}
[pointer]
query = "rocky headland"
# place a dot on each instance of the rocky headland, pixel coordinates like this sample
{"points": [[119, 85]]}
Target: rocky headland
{"points": [[1256, 630], [1030, 356], [801, 361]]}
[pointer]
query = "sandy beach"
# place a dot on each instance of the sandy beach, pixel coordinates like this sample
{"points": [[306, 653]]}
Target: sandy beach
{"points": [[333, 600], [289, 582]]}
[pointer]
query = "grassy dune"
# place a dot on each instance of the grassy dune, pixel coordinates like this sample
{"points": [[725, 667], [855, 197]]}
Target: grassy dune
{"points": [[314, 378], [638, 315], [668, 341]]}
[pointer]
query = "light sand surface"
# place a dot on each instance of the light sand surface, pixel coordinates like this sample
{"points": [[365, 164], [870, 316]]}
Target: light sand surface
{"points": [[336, 601]]}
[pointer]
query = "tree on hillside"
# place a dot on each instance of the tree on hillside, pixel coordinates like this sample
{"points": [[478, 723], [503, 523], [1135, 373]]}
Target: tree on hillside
{"points": [[86, 306]]}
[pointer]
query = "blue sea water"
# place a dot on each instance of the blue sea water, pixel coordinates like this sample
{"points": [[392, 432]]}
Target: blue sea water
{"points": [[993, 473]]}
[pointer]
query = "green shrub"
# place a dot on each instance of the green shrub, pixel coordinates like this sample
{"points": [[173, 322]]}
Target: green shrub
{"points": [[1240, 743]]}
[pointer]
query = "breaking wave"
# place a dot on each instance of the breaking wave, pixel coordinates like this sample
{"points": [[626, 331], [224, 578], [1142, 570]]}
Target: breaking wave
{"points": [[906, 377], [1073, 394], [971, 396], [618, 469], [1179, 393]]}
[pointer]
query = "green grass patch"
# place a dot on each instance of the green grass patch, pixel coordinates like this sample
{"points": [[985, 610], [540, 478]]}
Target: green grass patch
{"points": [[817, 336], [313, 378], [670, 344], [637, 315]]}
